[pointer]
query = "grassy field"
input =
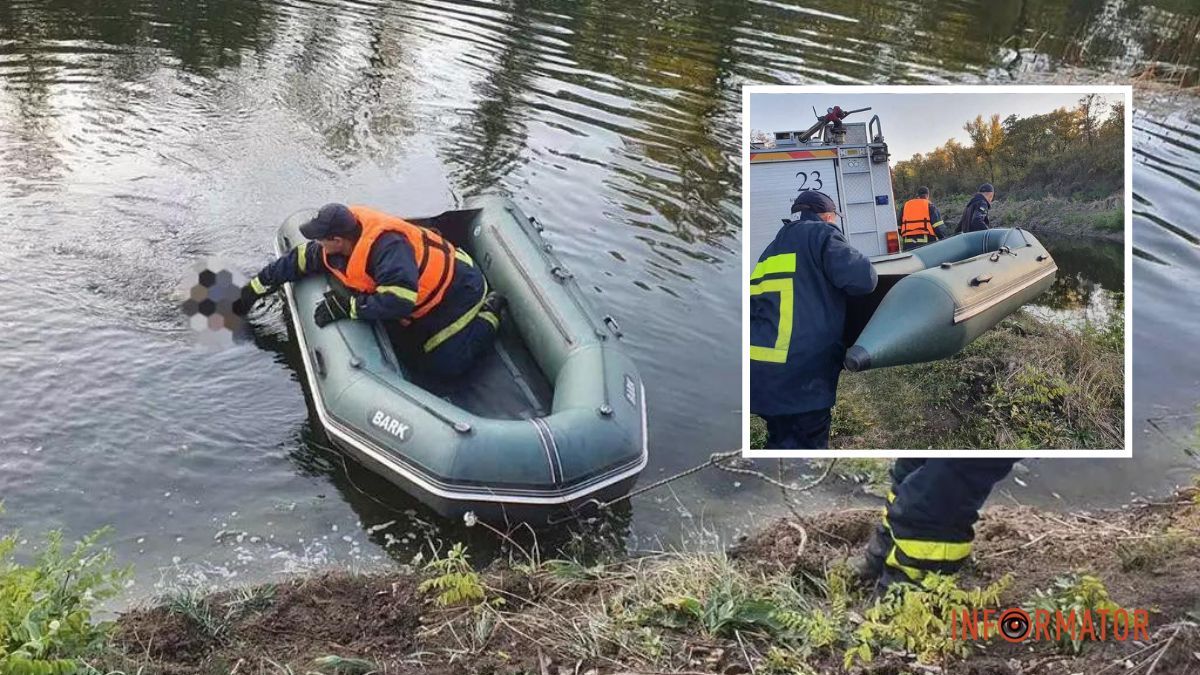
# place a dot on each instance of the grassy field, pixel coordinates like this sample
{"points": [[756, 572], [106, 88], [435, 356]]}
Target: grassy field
{"points": [[1024, 384]]}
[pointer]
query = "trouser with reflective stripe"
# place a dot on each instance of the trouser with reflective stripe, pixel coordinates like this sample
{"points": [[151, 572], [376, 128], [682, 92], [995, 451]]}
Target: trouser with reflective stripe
{"points": [[932, 509], [450, 352], [454, 357], [917, 241], [801, 431]]}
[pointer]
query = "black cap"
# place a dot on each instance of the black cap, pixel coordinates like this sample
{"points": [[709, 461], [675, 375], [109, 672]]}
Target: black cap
{"points": [[987, 187], [333, 220], [814, 201], [922, 191]]}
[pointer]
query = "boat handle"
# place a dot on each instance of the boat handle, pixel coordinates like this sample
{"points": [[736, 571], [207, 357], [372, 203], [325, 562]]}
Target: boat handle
{"points": [[613, 325], [981, 279], [536, 225], [560, 273], [319, 359], [1042, 257]]}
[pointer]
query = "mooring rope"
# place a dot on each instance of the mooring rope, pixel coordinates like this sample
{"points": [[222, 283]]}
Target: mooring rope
{"points": [[714, 459]]}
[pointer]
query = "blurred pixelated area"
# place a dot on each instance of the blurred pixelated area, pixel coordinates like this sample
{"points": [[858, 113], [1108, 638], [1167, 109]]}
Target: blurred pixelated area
{"points": [[210, 288]]}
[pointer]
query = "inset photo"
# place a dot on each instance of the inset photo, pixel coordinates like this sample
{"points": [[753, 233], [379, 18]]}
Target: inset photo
{"points": [[942, 269]]}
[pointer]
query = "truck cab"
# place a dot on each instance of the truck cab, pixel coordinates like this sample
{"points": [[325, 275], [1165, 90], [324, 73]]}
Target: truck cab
{"points": [[848, 162]]}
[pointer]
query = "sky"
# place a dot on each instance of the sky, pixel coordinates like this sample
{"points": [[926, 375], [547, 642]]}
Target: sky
{"points": [[911, 123]]}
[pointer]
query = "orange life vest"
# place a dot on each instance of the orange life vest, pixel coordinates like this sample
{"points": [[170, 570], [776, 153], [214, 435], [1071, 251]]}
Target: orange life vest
{"points": [[435, 258], [914, 220]]}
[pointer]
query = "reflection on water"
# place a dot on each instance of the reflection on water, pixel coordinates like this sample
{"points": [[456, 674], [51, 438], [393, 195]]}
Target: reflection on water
{"points": [[1090, 273], [136, 137]]}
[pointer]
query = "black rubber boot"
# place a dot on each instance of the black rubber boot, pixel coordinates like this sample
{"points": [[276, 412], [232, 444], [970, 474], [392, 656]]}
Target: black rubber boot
{"points": [[889, 579], [869, 566]]}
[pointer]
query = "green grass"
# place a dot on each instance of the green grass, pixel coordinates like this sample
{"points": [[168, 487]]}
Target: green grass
{"points": [[651, 613], [192, 604], [1105, 221]]}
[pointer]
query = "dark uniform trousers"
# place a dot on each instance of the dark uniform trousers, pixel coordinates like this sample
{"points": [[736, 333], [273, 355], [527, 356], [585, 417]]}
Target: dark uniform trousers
{"points": [[931, 511], [800, 431], [913, 243]]}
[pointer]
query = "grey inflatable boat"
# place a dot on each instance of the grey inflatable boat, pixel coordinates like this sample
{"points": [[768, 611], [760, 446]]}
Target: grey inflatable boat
{"points": [[934, 301], [552, 420]]}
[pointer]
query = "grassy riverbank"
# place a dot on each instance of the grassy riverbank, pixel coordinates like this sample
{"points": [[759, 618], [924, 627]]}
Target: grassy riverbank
{"points": [[1094, 219], [777, 603], [1023, 384]]}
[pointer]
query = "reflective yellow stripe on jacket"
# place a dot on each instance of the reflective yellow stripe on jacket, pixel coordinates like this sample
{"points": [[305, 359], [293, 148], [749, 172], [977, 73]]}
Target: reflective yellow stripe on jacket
{"points": [[467, 317], [784, 263]]}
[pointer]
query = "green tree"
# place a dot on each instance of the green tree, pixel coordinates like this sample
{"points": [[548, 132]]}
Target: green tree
{"points": [[986, 139]]}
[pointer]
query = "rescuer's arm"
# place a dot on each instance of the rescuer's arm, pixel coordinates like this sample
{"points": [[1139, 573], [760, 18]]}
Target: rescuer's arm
{"points": [[979, 218], [291, 266], [847, 268], [394, 268], [935, 217]]}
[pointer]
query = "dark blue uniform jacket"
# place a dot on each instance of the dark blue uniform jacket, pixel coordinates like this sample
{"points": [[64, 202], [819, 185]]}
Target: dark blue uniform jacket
{"points": [[391, 264], [827, 269], [975, 217]]}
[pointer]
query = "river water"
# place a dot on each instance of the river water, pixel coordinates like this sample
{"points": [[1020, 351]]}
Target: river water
{"points": [[136, 137]]}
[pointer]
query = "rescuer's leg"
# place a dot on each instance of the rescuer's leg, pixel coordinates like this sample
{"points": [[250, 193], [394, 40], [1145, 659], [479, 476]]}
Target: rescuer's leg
{"points": [[868, 567], [455, 357], [798, 431], [932, 517]]}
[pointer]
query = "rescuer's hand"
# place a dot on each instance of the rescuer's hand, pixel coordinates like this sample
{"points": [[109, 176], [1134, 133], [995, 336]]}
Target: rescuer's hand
{"points": [[334, 307], [250, 294]]}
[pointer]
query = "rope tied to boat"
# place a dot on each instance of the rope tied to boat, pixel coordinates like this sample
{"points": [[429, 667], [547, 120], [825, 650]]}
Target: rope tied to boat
{"points": [[715, 460]]}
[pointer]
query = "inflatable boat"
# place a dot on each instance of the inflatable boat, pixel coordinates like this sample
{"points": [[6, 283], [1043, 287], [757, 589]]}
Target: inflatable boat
{"points": [[934, 301], [551, 420]]}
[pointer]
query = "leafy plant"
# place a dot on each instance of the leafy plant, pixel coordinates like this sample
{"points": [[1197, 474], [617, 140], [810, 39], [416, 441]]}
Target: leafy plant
{"points": [[1074, 593], [720, 614], [46, 607], [918, 619], [456, 583]]}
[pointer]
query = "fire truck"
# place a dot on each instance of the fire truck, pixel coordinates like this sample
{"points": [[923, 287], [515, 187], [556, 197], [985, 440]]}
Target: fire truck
{"points": [[847, 161]]}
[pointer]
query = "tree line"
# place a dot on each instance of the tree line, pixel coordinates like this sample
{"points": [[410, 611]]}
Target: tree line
{"points": [[1070, 153]]}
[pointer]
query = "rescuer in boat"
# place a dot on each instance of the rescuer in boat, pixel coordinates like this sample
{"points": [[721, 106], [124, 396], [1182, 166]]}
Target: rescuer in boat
{"points": [[975, 216], [430, 295], [920, 221], [928, 523], [797, 310]]}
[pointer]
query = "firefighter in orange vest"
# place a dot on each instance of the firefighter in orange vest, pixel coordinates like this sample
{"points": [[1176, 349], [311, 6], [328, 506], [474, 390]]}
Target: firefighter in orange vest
{"points": [[920, 222], [430, 295]]}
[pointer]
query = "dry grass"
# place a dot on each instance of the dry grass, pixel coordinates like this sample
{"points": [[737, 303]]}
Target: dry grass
{"points": [[1024, 384]]}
